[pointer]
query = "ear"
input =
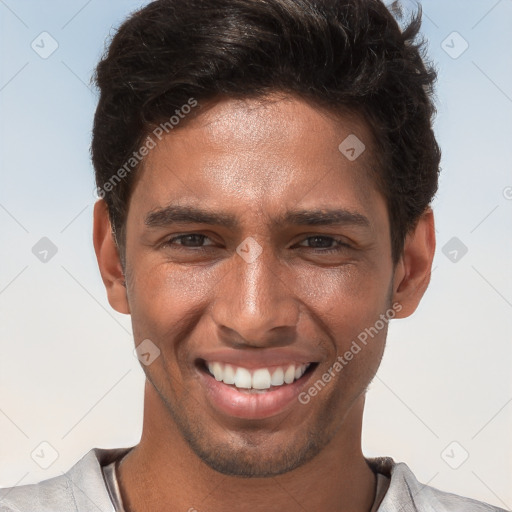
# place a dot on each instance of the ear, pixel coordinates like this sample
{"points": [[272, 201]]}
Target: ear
{"points": [[109, 262], [412, 272]]}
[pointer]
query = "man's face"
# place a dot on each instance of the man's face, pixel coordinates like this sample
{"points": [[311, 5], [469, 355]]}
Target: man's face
{"points": [[262, 292]]}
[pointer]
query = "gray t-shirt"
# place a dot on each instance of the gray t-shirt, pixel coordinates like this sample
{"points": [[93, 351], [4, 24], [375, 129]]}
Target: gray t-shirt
{"points": [[110, 474], [90, 486]]}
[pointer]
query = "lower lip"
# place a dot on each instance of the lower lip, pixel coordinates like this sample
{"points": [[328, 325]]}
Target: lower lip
{"points": [[251, 405]]}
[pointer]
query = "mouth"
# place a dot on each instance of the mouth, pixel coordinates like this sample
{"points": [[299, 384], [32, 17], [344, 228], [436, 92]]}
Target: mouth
{"points": [[253, 393]]}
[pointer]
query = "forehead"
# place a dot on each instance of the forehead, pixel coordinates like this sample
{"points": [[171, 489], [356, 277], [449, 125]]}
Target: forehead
{"points": [[259, 155]]}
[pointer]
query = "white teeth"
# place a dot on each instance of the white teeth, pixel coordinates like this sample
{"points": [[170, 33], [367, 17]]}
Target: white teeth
{"points": [[289, 374], [229, 374], [277, 377], [217, 371], [258, 379], [303, 369], [261, 379], [242, 378]]}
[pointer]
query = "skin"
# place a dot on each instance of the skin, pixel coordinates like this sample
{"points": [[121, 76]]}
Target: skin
{"points": [[257, 159]]}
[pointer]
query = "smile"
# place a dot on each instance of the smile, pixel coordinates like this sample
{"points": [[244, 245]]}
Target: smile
{"points": [[259, 379], [257, 392]]}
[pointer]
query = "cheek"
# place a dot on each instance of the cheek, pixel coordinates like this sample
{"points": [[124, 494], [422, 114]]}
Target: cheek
{"points": [[349, 301], [161, 298], [348, 298]]}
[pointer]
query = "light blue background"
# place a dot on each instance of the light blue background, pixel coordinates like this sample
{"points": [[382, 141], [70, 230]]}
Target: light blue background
{"points": [[67, 372]]}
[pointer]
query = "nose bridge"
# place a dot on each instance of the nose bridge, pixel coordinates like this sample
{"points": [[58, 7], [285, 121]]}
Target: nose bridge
{"points": [[255, 300], [256, 291]]}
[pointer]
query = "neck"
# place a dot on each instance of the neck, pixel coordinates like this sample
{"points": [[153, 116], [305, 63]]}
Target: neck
{"points": [[162, 473]]}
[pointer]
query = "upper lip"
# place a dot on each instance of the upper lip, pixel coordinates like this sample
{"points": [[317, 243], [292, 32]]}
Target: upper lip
{"points": [[258, 358]]}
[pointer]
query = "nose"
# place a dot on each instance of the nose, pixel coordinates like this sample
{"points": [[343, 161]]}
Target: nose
{"points": [[255, 305]]}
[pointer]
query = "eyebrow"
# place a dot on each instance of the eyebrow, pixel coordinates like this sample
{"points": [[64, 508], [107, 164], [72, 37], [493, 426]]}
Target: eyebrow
{"points": [[184, 214]]}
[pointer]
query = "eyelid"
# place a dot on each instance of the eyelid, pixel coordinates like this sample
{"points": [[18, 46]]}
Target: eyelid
{"points": [[172, 238], [340, 242]]}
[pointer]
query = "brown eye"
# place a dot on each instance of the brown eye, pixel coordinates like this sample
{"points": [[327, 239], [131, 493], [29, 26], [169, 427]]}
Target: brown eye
{"points": [[192, 240], [324, 244]]}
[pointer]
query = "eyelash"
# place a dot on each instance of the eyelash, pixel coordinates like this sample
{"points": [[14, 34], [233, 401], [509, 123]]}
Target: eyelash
{"points": [[340, 244]]}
